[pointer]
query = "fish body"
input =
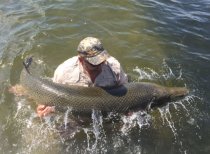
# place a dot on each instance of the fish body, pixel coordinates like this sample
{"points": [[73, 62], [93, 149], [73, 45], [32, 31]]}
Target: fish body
{"points": [[130, 96]]}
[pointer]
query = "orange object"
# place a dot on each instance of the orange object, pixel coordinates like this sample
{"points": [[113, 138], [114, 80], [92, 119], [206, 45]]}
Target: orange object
{"points": [[43, 110]]}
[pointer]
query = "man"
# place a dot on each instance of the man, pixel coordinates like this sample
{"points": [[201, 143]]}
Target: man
{"points": [[93, 66]]}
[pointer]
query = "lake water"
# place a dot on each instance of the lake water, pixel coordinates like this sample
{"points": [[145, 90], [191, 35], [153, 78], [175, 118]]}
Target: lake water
{"points": [[161, 41]]}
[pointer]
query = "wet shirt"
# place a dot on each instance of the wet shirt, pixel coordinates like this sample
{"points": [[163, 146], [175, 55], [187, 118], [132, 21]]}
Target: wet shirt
{"points": [[71, 72]]}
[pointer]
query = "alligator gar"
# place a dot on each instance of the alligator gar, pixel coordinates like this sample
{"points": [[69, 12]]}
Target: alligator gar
{"points": [[130, 96]]}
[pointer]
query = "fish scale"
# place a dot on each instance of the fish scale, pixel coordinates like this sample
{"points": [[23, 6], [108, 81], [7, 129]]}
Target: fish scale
{"points": [[129, 96]]}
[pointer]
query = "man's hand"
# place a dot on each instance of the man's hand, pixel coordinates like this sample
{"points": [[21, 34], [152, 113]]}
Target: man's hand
{"points": [[43, 110]]}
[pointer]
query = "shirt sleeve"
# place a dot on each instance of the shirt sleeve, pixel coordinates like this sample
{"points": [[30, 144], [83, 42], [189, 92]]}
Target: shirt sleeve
{"points": [[118, 72], [67, 71]]}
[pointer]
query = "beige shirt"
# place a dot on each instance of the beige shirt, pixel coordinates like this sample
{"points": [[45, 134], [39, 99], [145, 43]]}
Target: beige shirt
{"points": [[71, 72]]}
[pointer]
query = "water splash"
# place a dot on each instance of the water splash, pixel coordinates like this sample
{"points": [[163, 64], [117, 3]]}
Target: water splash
{"points": [[140, 119], [19, 106], [98, 131], [97, 123], [167, 117], [166, 73], [146, 73], [96, 138], [66, 115]]}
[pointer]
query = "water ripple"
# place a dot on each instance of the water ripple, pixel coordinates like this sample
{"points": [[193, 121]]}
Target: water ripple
{"points": [[138, 33]]}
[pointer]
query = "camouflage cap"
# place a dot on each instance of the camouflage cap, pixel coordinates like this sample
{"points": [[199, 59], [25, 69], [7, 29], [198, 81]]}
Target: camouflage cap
{"points": [[92, 50]]}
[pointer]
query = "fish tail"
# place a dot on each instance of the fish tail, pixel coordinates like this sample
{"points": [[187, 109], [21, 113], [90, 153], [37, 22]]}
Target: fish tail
{"points": [[27, 63]]}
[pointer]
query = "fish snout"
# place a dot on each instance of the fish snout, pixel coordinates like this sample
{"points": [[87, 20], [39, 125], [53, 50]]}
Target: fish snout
{"points": [[178, 92]]}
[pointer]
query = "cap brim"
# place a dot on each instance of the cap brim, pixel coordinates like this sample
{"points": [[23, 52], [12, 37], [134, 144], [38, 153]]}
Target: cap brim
{"points": [[98, 59]]}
